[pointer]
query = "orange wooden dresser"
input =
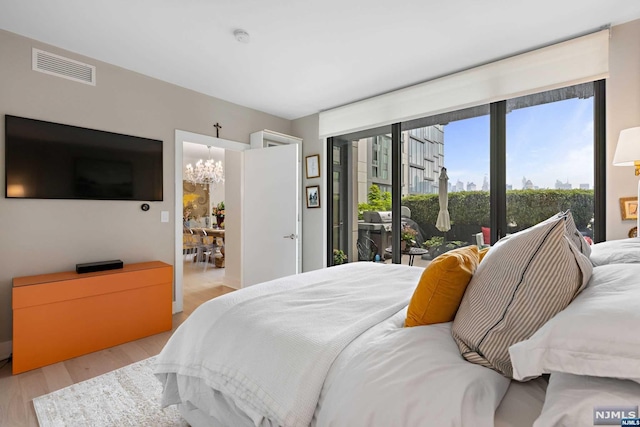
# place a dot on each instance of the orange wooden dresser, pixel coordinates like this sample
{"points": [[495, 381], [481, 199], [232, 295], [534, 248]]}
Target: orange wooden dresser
{"points": [[63, 315]]}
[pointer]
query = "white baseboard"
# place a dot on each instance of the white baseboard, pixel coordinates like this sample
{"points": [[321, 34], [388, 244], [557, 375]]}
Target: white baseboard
{"points": [[6, 347]]}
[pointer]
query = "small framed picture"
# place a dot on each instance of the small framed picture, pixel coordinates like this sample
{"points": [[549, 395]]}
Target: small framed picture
{"points": [[313, 166], [629, 207], [313, 196]]}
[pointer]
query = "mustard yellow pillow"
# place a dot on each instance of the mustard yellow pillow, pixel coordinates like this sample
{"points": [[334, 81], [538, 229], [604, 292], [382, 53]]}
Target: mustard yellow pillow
{"points": [[441, 287], [482, 252]]}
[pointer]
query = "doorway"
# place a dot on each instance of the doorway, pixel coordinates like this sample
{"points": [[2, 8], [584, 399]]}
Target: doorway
{"points": [[233, 163], [203, 218]]}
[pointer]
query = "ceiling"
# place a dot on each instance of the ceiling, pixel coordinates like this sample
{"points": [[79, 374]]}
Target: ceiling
{"points": [[305, 56]]}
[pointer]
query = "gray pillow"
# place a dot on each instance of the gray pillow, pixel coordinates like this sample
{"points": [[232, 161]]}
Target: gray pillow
{"points": [[521, 283]]}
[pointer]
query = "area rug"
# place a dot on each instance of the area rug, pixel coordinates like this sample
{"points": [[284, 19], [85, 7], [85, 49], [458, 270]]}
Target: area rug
{"points": [[128, 396]]}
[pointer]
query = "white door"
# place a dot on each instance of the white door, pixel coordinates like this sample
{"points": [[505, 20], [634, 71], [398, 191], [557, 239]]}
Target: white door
{"points": [[270, 227]]}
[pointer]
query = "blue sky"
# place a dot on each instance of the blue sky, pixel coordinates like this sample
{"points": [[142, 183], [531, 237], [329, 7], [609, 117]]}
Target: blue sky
{"points": [[544, 143]]}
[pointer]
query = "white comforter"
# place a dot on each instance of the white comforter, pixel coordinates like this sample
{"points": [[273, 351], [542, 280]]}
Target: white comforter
{"points": [[396, 376], [268, 348]]}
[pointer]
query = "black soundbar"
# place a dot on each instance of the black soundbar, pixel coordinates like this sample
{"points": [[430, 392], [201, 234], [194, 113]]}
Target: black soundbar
{"points": [[90, 267]]}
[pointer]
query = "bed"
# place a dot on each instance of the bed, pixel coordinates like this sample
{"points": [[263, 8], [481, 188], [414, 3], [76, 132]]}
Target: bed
{"points": [[331, 348]]}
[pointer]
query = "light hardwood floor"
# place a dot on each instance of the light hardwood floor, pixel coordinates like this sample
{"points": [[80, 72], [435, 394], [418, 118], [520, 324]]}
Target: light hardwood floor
{"points": [[17, 391]]}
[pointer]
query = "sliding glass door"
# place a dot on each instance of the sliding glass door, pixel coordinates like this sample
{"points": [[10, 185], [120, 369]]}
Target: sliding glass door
{"points": [[362, 188], [509, 165]]}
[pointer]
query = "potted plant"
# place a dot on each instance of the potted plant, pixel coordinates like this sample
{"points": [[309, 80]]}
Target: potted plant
{"points": [[339, 257], [407, 237], [436, 245]]}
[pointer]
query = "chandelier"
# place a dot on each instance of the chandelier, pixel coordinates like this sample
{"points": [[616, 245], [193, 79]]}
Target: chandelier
{"points": [[205, 172]]}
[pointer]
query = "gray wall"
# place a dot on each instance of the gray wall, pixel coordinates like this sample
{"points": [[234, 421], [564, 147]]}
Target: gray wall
{"points": [[44, 236]]}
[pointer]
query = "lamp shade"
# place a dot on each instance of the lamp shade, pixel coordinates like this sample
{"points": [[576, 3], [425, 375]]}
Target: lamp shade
{"points": [[628, 148]]}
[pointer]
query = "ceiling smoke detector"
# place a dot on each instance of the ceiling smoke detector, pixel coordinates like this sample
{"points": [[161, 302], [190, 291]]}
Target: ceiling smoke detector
{"points": [[242, 36]]}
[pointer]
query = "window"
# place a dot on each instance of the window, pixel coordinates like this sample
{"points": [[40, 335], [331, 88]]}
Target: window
{"points": [[458, 141], [416, 180], [416, 152], [385, 155], [380, 157], [550, 153]]}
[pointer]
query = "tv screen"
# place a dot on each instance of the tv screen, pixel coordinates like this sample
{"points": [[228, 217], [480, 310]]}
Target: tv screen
{"points": [[45, 160]]}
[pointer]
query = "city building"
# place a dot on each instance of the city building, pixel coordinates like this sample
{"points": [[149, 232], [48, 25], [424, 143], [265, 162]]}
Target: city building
{"points": [[423, 152], [563, 185], [422, 157], [527, 184]]}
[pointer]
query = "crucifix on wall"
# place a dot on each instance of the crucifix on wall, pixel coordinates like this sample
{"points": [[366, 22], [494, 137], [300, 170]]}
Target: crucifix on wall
{"points": [[218, 127]]}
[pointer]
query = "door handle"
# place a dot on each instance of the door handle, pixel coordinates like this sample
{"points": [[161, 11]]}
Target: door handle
{"points": [[290, 236]]}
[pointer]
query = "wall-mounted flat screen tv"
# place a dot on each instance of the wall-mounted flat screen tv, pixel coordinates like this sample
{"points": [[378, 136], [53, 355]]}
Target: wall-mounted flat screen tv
{"points": [[45, 160]]}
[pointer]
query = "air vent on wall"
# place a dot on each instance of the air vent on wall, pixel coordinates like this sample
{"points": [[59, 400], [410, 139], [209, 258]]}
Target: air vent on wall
{"points": [[49, 63]]}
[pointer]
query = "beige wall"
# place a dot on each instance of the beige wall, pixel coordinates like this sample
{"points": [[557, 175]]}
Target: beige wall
{"points": [[623, 111], [41, 236]]}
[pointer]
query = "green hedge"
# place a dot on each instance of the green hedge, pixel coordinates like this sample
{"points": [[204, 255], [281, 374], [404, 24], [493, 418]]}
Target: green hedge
{"points": [[465, 207], [524, 207], [529, 207]]}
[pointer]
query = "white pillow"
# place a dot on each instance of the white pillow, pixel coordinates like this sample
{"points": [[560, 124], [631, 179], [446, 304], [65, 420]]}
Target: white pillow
{"points": [[571, 399], [597, 334], [624, 251]]}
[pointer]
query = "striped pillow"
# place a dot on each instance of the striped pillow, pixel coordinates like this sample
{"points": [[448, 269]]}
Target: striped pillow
{"points": [[522, 282]]}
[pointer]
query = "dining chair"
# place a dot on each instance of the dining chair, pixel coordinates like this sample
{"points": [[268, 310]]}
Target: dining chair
{"points": [[207, 247]]}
